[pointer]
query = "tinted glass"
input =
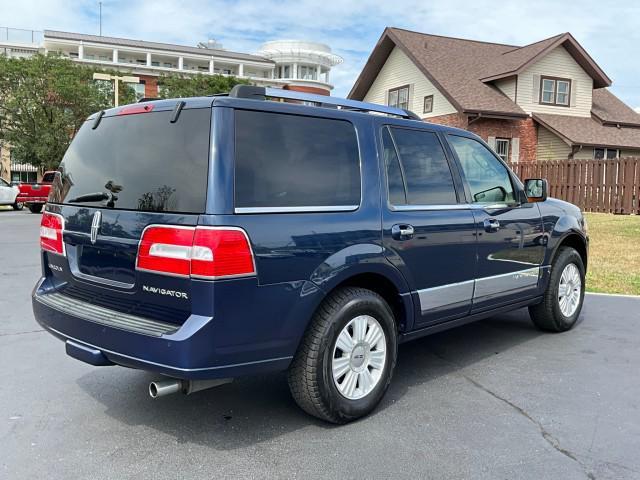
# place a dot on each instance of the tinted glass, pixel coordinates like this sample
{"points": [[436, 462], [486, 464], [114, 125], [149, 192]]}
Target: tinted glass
{"points": [[3, 183], [48, 177], [487, 178], [425, 168], [295, 161], [139, 162], [395, 183]]}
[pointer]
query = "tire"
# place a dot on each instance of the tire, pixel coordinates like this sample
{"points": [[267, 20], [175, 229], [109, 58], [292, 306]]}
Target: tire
{"points": [[36, 208], [549, 315], [311, 374], [18, 206]]}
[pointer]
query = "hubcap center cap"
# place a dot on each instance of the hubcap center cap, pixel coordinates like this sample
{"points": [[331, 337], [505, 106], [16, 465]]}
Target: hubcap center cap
{"points": [[359, 357]]}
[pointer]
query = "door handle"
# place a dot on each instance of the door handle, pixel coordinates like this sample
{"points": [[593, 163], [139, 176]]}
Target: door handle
{"points": [[491, 225], [402, 231]]}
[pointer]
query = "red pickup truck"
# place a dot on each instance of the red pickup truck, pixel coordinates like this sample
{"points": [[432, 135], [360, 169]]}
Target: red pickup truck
{"points": [[35, 195]]}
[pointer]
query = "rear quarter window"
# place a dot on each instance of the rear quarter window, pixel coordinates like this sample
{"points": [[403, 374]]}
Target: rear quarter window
{"points": [[290, 161]]}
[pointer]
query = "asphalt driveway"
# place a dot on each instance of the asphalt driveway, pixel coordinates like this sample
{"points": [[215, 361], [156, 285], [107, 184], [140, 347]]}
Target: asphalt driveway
{"points": [[495, 399]]}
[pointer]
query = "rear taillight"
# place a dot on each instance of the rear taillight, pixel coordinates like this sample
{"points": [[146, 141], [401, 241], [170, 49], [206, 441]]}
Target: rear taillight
{"points": [[51, 228], [197, 252]]}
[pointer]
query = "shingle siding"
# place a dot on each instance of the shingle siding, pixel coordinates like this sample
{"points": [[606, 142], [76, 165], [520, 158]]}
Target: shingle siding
{"points": [[557, 63], [550, 146], [399, 70]]}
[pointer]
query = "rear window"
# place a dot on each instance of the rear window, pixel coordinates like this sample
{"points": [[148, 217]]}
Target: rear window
{"points": [[290, 161], [48, 177], [139, 162]]}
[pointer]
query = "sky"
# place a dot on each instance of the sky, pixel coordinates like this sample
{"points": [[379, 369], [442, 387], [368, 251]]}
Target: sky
{"points": [[608, 32]]}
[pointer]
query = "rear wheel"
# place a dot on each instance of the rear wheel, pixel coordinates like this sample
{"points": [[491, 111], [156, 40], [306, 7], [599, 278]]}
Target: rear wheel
{"points": [[18, 206], [346, 359], [562, 302], [35, 208]]}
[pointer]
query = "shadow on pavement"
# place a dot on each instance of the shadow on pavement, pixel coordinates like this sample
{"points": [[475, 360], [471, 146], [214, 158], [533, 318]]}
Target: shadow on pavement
{"points": [[256, 409]]}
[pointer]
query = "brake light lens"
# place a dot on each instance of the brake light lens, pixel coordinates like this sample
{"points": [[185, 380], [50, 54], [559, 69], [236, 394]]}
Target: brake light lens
{"points": [[135, 109], [51, 229], [197, 252]]}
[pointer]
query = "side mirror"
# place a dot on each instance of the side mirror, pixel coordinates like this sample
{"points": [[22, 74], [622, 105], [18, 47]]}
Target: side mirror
{"points": [[536, 189]]}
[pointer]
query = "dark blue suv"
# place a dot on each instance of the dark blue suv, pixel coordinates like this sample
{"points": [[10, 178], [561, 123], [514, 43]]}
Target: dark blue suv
{"points": [[208, 238]]}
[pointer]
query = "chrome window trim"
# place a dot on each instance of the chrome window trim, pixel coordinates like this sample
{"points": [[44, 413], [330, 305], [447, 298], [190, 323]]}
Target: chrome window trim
{"points": [[309, 209], [408, 208]]}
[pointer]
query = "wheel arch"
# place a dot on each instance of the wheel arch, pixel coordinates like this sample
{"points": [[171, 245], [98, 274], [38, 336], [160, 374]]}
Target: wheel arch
{"points": [[383, 279]]}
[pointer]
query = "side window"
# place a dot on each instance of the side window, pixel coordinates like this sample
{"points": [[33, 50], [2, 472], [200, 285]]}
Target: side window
{"points": [[295, 161], [488, 179], [424, 169], [3, 183], [395, 181]]}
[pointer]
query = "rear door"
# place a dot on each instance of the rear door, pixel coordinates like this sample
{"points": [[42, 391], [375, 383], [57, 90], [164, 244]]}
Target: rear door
{"points": [[428, 230], [510, 233], [120, 175]]}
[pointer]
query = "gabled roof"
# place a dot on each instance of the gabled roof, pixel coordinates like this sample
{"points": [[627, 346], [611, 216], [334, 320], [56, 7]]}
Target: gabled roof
{"points": [[588, 131], [609, 109], [515, 61], [462, 69], [126, 42]]}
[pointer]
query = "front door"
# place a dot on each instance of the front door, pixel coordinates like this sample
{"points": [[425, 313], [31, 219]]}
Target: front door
{"points": [[428, 234], [510, 233]]}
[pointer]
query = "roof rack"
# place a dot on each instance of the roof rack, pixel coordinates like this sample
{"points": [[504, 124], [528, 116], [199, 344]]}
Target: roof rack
{"points": [[262, 93]]}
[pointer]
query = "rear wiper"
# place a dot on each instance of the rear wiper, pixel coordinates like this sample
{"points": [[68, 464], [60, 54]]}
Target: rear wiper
{"points": [[96, 197]]}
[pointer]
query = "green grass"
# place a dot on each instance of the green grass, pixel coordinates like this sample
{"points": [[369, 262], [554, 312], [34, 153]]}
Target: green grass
{"points": [[614, 253]]}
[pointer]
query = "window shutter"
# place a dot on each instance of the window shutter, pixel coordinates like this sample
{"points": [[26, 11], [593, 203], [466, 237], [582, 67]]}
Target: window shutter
{"points": [[574, 89], [515, 150], [536, 89], [492, 143], [410, 102]]}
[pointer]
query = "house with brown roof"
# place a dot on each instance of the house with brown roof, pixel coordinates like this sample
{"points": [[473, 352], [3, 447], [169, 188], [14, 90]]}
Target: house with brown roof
{"points": [[544, 101]]}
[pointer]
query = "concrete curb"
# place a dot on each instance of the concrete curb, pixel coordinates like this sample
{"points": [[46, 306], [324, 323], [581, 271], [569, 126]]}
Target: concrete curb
{"points": [[637, 297]]}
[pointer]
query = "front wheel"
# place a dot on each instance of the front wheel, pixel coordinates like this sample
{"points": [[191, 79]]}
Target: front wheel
{"points": [[346, 359], [18, 206], [562, 301]]}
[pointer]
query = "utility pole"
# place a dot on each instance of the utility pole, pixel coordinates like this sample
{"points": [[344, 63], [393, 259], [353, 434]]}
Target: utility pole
{"points": [[116, 79]]}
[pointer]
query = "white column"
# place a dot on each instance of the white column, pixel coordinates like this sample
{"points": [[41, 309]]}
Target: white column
{"points": [[80, 51], [326, 76], [318, 72], [294, 74], [148, 59], [115, 55], [211, 67], [241, 70], [180, 63]]}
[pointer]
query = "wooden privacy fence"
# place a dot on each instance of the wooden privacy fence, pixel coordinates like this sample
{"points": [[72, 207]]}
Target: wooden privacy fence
{"points": [[609, 186]]}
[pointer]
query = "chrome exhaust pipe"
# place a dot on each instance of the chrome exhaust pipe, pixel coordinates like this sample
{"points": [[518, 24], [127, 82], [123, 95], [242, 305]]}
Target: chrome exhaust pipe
{"points": [[174, 385], [164, 387]]}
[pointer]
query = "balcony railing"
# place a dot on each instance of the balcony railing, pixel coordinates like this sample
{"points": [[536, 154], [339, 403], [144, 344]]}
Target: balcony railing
{"points": [[21, 36]]}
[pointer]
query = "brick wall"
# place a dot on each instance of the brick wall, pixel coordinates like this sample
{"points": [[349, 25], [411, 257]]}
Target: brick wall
{"points": [[150, 86], [305, 89], [457, 120], [524, 129]]}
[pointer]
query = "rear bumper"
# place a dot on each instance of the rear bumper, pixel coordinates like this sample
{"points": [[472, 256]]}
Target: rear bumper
{"points": [[31, 200], [189, 352]]}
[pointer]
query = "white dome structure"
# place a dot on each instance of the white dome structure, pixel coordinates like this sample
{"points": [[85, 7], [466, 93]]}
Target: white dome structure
{"points": [[303, 65]]}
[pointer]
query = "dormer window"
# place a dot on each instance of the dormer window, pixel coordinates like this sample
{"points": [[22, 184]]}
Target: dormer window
{"points": [[555, 91]]}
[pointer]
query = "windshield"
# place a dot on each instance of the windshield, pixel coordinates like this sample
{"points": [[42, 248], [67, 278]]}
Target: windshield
{"points": [[139, 162]]}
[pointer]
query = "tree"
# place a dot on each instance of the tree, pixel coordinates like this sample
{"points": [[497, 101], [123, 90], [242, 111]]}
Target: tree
{"points": [[196, 85], [44, 101]]}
